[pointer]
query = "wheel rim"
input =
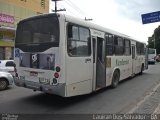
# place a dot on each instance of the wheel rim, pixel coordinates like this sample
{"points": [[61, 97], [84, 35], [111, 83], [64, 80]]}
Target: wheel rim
{"points": [[3, 84]]}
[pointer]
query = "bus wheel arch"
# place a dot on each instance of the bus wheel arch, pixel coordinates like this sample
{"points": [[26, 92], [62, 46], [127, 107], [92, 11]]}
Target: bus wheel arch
{"points": [[115, 78]]}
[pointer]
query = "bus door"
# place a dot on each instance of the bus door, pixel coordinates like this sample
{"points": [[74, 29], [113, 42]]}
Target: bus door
{"points": [[99, 69], [133, 60]]}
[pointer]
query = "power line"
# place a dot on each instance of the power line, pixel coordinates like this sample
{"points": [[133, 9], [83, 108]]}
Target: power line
{"points": [[68, 10], [75, 7]]}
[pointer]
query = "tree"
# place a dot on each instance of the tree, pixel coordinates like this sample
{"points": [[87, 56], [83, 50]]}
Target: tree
{"points": [[151, 42], [156, 37]]}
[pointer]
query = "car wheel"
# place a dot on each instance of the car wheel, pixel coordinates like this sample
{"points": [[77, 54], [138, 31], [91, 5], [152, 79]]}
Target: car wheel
{"points": [[3, 84], [115, 79]]}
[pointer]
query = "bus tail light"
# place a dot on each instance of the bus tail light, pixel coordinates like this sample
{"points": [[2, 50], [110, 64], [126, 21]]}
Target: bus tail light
{"points": [[56, 75], [54, 81], [58, 69]]}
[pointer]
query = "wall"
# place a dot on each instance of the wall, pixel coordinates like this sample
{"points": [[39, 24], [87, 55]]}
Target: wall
{"points": [[11, 12]]}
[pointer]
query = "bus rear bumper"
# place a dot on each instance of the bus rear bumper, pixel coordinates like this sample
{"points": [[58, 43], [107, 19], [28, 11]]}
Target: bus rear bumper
{"points": [[58, 89]]}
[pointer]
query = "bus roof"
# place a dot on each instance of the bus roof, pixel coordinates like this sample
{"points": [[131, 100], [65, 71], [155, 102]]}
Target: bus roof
{"points": [[96, 27], [83, 23]]}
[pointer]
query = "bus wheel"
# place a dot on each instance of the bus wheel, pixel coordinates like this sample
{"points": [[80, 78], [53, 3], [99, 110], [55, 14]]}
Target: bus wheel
{"points": [[115, 79], [142, 68]]}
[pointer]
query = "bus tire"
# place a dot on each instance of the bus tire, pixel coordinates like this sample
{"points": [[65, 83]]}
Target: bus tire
{"points": [[115, 79], [142, 68]]}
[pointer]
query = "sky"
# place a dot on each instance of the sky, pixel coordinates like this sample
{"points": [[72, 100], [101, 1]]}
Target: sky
{"points": [[123, 16]]}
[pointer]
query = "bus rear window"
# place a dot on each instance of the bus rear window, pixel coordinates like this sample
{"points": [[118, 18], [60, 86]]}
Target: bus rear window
{"points": [[38, 30]]}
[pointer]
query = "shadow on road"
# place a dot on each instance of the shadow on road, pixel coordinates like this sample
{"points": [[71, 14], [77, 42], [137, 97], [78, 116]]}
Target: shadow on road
{"points": [[54, 101], [134, 78]]}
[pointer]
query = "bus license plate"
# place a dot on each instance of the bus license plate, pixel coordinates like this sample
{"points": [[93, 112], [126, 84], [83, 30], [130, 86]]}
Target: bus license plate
{"points": [[44, 80]]}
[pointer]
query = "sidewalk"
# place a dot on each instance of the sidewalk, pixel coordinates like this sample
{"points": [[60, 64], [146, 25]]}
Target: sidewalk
{"points": [[157, 110], [150, 104]]}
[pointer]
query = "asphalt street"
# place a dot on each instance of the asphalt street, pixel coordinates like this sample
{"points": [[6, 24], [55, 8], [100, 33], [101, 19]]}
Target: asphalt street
{"points": [[18, 100]]}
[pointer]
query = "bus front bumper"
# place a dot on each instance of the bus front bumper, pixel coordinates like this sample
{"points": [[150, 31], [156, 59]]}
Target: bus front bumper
{"points": [[58, 89]]}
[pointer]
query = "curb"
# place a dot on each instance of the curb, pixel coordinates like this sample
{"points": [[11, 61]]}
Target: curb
{"points": [[140, 106], [157, 110]]}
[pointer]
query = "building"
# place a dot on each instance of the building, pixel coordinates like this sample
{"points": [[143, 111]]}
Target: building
{"points": [[11, 12]]}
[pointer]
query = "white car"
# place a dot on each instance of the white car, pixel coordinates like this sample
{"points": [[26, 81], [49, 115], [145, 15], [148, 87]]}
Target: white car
{"points": [[7, 66], [6, 79]]}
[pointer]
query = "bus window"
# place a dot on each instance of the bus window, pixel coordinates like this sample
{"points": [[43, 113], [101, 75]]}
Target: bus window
{"points": [[38, 34], [118, 44], [109, 45], [26, 37], [38, 31], [133, 52], [140, 48], [127, 50], [78, 41]]}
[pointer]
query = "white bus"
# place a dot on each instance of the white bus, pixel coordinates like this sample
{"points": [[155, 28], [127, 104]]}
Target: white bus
{"points": [[152, 55], [62, 55]]}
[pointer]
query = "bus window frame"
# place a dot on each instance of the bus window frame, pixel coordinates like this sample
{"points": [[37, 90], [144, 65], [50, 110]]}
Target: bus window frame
{"points": [[89, 42], [127, 47], [121, 54], [111, 45]]}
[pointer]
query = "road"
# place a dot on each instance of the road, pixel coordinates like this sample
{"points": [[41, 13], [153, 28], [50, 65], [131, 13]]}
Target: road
{"points": [[18, 100]]}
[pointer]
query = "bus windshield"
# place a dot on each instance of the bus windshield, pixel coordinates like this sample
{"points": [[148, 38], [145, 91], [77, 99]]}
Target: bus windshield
{"points": [[152, 51], [43, 29]]}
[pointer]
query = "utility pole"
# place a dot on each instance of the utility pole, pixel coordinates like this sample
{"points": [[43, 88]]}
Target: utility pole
{"points": [[56, 7]]}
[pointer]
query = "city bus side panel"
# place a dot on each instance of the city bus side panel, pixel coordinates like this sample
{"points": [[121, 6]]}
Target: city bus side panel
{"points": [[78, 69], [121, 63]]}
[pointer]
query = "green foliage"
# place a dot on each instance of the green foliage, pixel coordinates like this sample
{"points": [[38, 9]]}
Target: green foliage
{"points": [[157, 40], [151, 42]]}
